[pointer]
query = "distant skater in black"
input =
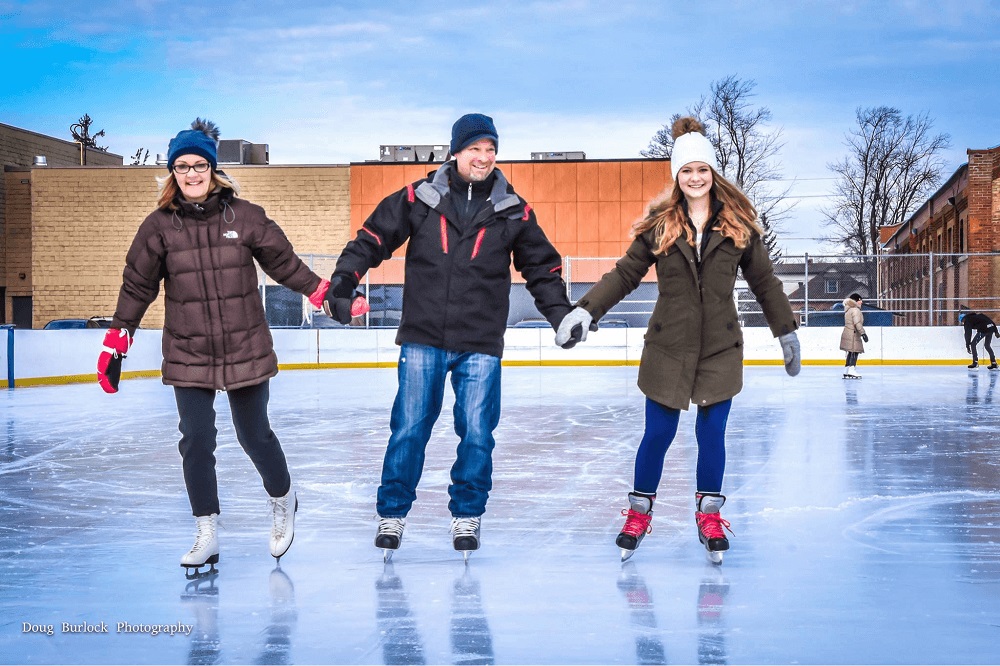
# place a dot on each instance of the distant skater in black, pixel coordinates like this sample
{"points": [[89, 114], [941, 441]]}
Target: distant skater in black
{"points": [[985, 330]]}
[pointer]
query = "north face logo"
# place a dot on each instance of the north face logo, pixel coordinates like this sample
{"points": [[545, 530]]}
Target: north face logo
{"points": [[230, 234]]}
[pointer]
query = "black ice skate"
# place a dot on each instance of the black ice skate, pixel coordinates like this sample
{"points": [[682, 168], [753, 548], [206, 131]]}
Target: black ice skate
{"points": [[465, 535], [710, 523], [994, 366], [973, 365], [638, 517], [389, 536]]}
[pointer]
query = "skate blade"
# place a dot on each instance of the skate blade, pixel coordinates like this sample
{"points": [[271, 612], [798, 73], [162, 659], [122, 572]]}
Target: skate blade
{"points": [[195, 572], [714, 556], [626, 553], [465, 554], [387, 555]]}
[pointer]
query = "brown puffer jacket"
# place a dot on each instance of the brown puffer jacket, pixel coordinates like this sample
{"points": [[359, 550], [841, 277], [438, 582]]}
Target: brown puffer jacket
{"points": [[215, 334]]}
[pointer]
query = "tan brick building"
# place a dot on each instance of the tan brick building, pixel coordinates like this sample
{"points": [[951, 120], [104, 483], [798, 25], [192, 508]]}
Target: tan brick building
{"points": [[18, 149]]}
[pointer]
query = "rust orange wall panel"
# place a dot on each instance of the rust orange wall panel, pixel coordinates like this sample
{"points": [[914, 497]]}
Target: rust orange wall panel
{"points": [[609, 177], [586, 182]]}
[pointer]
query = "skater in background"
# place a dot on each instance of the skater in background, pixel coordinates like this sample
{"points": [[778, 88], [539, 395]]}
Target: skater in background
{"points": [[985, 330], [463, 224], [697, 235], [853, 337], [202, 242]]}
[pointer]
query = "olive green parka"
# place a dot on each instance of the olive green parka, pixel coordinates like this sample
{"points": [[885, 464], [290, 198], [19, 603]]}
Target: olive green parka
{"points": [[693, 349]]}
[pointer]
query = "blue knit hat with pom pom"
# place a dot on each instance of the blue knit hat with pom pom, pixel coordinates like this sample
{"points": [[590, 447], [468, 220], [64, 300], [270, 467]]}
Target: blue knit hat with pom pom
{"points": [[200, 140]]}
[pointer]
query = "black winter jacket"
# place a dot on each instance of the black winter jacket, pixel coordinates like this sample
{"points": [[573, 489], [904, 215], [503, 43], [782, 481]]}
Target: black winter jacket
{"points": [[456, 292]]}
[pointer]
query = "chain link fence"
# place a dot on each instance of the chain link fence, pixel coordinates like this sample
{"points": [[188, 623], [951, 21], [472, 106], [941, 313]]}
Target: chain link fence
{"points": [[898, 290]]}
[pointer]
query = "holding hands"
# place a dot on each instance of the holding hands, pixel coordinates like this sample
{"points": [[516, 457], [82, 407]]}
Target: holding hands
{"points": [[573, 328], [341, 301]]}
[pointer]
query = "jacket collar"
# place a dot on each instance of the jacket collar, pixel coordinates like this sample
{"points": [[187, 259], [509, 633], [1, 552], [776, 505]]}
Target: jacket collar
{"points": [[432, 191], [210, 206]]}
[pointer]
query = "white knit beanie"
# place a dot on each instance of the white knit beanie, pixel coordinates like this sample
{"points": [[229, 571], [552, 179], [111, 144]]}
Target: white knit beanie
{"points": [[692, 147]]}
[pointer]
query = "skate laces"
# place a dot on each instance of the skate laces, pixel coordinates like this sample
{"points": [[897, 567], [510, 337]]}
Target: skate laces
{"points": [[637, 523], [711, 525], [464, 527], [391, 526], [279, 512], [204, 533]]}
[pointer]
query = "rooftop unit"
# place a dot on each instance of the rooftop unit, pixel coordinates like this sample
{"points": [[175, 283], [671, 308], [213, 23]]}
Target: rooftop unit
{"points": [[569, 155], [238, 151], [413, 153]]}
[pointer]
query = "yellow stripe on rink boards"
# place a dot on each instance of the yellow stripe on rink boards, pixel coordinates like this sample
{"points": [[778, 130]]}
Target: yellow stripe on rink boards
{"points": [[146, 374]]}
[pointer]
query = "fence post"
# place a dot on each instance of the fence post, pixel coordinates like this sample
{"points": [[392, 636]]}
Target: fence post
{"points": [[930, 289], [805, 300], [10, 355], [568, 277]]}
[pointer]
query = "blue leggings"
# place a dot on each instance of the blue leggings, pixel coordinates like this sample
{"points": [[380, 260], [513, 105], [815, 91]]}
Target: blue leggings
{"points": [[661, 427]]}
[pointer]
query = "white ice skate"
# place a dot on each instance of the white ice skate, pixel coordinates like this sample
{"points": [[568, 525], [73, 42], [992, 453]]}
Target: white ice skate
{"points": [[283, 522], [851, 373], [389, 536], [465, 535], [206, 546]]}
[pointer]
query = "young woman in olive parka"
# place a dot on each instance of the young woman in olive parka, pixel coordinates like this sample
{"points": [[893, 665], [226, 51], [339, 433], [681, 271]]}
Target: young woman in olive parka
{"points": [[698, 236]]}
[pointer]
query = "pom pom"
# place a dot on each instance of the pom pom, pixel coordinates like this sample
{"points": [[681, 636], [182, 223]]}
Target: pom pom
{"points": [[686, 124], [206, 127]]}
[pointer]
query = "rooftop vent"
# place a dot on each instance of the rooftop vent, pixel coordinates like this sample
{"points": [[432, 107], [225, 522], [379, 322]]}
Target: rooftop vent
{"points": [[413, 153], [39, 161], [571, 155], [238, 151]]}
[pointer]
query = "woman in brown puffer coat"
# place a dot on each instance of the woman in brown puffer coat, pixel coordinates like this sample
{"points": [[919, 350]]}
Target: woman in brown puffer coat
{"points": [[202, 242], [853, 338], [697, 237]]}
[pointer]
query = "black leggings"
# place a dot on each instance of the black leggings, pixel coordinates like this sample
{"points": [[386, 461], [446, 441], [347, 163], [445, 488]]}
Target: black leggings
{"points": [[196, 408], [852, 359], [988, 337]]}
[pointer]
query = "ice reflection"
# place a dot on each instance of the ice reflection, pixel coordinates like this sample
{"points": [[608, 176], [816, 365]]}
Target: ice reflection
{"points": [[471, 640], [712, 630], [642, 616], [401, 643], [284, 614], [201, 596]]}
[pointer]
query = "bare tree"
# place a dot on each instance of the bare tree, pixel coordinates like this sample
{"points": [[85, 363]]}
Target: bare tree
{"points": [[745, 147], [894, 163], [140, 157], [81, 134]]}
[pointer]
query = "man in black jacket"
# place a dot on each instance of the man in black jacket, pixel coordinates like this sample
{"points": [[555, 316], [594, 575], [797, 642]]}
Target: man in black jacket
{"points": [[985, 329], [463, 225]]}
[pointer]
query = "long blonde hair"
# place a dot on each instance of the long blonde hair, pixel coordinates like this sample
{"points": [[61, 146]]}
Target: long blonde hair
{"points": [[737, 219], [170, 190]]}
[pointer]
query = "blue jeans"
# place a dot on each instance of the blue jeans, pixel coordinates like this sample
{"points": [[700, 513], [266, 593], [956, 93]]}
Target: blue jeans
{"points": [[476, 381]]}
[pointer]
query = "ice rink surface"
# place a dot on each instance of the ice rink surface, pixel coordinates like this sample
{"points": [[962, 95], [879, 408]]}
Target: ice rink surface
{"points": [[866, 516]]}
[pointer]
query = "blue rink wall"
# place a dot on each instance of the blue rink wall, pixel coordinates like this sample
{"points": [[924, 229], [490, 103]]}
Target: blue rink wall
{"points": [[57, 357]]}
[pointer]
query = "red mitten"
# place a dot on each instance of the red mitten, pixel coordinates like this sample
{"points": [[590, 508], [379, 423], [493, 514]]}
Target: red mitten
{"points": [[359, 306], [317, 296], [109, 363]]}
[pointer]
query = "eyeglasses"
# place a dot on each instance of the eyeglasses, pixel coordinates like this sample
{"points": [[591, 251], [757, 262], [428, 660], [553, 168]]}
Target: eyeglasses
{"points": [[200, 167]]}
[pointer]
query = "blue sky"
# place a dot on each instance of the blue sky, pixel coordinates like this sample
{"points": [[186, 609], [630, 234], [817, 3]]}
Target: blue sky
{"points": [[328, 82]]}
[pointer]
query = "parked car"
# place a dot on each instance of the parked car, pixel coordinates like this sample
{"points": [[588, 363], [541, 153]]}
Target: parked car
{"points": [[93, 322]]}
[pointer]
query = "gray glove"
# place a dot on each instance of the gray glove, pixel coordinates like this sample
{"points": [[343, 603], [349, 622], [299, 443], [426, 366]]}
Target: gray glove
{"points": [[791, 353], [573, 328]]}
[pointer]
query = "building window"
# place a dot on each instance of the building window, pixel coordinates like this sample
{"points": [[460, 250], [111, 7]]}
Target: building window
{"points": [[832, 286]]}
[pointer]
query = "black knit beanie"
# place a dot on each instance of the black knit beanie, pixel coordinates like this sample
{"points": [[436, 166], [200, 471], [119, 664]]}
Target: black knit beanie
{"points": [[471, 128]]}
